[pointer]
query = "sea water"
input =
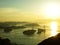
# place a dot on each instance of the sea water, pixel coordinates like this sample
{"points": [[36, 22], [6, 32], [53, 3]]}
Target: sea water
{"points": [[17, 36]]}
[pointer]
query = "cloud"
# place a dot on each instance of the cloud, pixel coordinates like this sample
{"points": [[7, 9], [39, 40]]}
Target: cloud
{"points": [[12, 14]]}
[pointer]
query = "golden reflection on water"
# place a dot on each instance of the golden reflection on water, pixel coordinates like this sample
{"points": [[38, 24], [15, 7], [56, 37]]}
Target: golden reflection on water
{"points": [[54, 28]]}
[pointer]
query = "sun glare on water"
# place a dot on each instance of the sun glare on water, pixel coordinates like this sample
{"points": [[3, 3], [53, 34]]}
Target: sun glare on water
{"points": [[54, 28]]}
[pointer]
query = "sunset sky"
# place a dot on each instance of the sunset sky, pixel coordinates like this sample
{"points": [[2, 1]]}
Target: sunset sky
{"points": [[29, 10]]}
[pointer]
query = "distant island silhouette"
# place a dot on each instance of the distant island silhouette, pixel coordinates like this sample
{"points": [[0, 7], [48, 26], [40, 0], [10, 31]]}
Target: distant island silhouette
{"points": [[9, 26]]}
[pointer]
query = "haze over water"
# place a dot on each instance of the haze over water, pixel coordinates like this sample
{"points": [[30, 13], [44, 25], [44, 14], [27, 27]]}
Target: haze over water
{"points": [[18, 37]]}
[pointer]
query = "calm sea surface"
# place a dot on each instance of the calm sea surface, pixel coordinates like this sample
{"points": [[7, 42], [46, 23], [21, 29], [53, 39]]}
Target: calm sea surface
{"points": [[17, 36]]}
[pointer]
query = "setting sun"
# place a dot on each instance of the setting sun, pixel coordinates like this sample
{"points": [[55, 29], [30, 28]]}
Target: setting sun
{"points": [[52, 10]]}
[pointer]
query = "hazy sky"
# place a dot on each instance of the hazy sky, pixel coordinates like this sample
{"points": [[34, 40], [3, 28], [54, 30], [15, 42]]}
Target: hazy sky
{"points": [[28, 10]]}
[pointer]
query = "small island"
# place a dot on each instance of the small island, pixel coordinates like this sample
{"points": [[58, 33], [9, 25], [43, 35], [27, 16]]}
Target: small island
{"points": [[29, 32], [40, 30]]}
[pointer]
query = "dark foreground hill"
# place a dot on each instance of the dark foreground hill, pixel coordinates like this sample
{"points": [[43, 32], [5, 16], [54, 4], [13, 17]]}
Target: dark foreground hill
{"points": [[55, 40], [6, 42]]}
